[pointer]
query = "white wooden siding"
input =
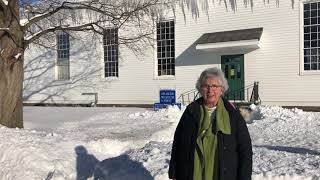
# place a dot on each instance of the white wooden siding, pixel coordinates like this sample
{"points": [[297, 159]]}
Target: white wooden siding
{"points": [[276, 65]]}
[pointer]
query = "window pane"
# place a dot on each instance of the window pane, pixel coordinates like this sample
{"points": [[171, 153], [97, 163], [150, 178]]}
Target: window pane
{"points": [[163, 31], [171, 23], [306, 52], [63, 53], [306, 14], [306, 29], [306, 6], [165, 49], [307, 59], [63, 72], [307, 21], [306, 44], [314, 66], [238, 71], [226, 71], [111, 52], [306, 66], [307, 36]]}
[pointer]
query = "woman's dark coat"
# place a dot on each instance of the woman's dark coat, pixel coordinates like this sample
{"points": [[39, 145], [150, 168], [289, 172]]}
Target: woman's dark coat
{"points": [[234, 151]]}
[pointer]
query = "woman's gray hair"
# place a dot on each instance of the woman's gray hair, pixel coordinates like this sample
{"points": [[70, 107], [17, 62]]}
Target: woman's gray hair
{"points": [[212, 72]]}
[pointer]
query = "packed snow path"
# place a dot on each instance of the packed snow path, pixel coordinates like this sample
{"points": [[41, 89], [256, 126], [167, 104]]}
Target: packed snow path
{"points": [[135, 143]]}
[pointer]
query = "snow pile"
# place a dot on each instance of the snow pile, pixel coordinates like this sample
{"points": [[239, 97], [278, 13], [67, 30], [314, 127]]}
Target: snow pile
{"points": [[155, 157], [286, 142], [28, 154], [283, 113], [173, 114], [286, 126], [255, 114], [135, 143], [59, 152], [283, 177]]}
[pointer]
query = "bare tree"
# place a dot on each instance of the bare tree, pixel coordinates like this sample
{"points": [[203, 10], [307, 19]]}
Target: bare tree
{"points": [[23, 23]]}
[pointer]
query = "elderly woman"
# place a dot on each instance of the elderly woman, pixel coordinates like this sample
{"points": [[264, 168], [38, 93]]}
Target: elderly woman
{"points": [[211, 141]]}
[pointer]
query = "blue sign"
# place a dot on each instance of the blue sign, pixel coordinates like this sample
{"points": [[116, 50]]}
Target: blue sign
{"points": [[167, 96]]}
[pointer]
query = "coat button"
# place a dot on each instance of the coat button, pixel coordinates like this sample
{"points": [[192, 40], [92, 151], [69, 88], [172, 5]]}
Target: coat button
{"points": [[224, 169], [224, 147]]}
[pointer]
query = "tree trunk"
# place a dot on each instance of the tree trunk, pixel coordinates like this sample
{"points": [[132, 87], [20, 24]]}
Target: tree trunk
{"points": [[11, 65]]}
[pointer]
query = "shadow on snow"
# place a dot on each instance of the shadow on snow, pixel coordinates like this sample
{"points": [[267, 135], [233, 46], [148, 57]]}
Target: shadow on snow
{"points": [[296, 150], [116, 168]]}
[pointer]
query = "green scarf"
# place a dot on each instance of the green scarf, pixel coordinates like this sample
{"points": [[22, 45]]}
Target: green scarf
{"points": [[205, 156]]}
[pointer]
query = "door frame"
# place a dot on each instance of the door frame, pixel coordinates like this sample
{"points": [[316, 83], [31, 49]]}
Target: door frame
{"points": [[242, 84]]}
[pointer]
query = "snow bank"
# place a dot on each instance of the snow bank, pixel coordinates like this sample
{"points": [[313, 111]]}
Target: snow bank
{"points": [[135, 143], [284, 177], [173, 114]]}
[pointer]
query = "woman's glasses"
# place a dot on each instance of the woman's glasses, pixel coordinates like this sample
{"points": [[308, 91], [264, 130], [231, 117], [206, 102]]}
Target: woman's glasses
{"points": [[212, 86]]}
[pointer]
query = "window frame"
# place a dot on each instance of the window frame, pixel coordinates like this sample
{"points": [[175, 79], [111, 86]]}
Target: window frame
{"points": [[302, 70], [111, 46], [168, 50], [63, 56]]}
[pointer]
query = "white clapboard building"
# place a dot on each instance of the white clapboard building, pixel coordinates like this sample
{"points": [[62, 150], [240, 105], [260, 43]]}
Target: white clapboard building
{"points": [[276, 44]]}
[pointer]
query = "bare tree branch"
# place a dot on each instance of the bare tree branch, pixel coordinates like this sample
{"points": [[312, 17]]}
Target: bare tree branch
{"points": [[102, 9], [83, 27], [64, 6], [5, 29], [102, 14]]}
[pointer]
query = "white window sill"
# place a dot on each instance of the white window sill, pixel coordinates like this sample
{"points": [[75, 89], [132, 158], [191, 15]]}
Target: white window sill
{"points": [[111, 78], [165, 77], [308, 73]]}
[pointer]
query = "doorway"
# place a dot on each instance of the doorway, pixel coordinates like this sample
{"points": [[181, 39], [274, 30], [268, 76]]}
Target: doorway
{"points": [[233, 68]]}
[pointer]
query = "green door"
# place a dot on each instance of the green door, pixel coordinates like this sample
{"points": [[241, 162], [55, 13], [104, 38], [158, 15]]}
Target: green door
{"points": [[233, 68]]}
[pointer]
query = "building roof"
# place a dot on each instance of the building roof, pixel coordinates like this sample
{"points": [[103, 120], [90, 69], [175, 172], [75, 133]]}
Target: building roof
{"points": [[226, 36]]}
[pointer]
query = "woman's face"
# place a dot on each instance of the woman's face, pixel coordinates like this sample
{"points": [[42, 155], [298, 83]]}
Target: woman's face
{"points": [[211, 91]]}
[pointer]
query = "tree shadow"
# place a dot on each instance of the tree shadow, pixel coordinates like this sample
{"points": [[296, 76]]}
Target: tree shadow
{"points": [[40, 83], [296, 150], [121, 168]]}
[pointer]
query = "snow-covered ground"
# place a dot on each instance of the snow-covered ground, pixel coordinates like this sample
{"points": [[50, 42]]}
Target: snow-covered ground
{"points": [[135, 143]]}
